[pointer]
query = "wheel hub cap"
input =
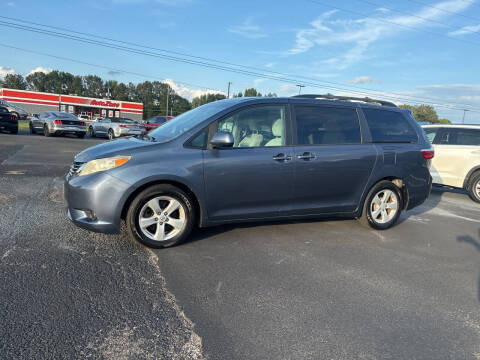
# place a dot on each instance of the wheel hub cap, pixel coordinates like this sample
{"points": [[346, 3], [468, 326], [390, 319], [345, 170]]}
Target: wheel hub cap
{"points": [[162, 218], [384, 206]]}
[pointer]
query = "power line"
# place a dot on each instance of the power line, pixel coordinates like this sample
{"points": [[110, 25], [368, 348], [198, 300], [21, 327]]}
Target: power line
{"points": [[413, 15], [215, 66], [394, 23], [404, 98], [448, 11], [105, 67]]}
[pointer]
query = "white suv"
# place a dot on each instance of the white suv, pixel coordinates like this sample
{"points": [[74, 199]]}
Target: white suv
{"points": [[457, 156]]}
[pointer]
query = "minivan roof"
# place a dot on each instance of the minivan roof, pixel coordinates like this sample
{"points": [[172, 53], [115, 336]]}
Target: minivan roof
{"points": [[312, 99]]}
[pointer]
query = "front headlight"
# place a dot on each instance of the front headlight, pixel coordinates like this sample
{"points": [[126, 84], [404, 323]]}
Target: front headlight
{"points": [[94, 166]]}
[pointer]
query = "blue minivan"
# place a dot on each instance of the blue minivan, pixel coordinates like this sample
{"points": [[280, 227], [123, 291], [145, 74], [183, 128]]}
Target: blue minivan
{"points": [[253, 159]]}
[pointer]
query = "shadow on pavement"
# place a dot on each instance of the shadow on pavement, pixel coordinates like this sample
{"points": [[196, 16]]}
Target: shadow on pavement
{"points": [[476, 244]]}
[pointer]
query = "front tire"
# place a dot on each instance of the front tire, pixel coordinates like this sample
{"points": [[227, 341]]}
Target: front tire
{"points": [[161, 216], [111, 134], [91, 132], [32, 129], [382, 206], [474, 187]]}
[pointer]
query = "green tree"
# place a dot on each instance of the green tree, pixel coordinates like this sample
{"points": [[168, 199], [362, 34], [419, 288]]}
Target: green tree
{"points": [[444, 121], [271, 95], [94, 86], [36, 81], [238, 95], [423, 113], [251, 92], [206, 98], [15, 81]]}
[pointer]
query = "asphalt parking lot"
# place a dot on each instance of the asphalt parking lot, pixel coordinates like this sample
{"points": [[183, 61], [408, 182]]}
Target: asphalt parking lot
{"points": [[288, 290]]}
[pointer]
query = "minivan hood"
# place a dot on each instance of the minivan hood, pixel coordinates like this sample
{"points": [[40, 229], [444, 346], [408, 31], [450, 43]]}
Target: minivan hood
{"points": [[111, 148]]}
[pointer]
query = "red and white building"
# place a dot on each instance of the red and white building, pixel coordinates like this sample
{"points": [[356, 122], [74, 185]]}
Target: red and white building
{"points": [[38, 102]]}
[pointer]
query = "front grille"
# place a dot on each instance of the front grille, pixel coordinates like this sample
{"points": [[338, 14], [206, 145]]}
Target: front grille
{"points": [[75, 168]]}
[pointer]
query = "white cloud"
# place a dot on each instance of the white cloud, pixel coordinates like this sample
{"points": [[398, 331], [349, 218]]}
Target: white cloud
{"points": [[11, 4], [248, 29], [363, 80], [465, 30], [270, 65], [187, 92], [4, 71], [40, 69], [359, 34], [257, 82]]}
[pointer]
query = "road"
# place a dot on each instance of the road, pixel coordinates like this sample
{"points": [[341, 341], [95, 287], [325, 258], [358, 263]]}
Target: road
{"points": [[288, 290]]}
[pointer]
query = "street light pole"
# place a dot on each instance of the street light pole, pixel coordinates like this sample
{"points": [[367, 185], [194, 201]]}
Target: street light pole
{"points": [[300, 88], [464, 111], [168, 93], [228, 93]]}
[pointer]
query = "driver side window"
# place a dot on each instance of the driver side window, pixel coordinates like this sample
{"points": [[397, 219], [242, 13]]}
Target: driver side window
{"points": [[258, 126]]}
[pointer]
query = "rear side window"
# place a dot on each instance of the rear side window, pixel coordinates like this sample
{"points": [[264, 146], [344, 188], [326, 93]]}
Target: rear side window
{"points": [[3, 110], [321, 125], [467, 137], [389, 127]]}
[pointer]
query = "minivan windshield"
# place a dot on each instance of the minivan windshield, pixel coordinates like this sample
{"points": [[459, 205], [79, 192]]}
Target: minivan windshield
{"points": [[185, 122]]}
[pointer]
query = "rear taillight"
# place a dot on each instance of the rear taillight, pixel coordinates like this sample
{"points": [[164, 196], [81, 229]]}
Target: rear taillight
{"points": [[428, 153], [58, 122], [124, 126], [13, 118], [82, 123]]}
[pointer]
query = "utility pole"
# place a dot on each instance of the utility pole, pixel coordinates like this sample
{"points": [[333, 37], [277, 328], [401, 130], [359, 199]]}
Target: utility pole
{"points": [[168, 93], [228, 93], [300, 88], [464, 111]]}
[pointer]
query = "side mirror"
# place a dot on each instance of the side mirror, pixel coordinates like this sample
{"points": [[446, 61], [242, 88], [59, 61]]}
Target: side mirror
{"points": [[222, 139]]}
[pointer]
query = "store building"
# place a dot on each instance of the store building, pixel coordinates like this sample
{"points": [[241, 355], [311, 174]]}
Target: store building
{"points": [[38, 102]]}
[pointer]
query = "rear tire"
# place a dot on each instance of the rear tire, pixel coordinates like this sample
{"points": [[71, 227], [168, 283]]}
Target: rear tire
{"points": [[32, 129], [14, 132], [46, 133], [80, 135], [474, 187], [90, 131], [162, 195], [382, 206]]}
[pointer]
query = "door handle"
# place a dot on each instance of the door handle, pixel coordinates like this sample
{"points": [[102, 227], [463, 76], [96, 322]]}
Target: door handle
{"points": [[282, 157], [306, 156]]}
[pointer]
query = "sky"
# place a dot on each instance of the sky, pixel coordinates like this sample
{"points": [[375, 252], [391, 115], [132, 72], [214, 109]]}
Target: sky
{"points": [[408, 51]]}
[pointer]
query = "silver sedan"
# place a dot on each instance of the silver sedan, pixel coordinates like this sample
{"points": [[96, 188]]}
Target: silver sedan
{"points": [[57, 123], [113, 127]]}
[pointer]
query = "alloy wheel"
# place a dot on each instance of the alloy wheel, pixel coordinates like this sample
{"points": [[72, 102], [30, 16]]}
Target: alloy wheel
{"points": [[477, 188], [384, 206], [162, 218]]}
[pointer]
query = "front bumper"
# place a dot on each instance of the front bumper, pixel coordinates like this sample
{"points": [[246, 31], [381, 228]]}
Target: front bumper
{"points": [[94, 202]]}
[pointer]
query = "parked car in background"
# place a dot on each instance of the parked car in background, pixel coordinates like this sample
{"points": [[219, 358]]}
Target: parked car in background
{"points": [[8, 121], [20, 112], [248, 159], [57, 123], [457, 156], [113, 127], [84, 117], [154, 122]]}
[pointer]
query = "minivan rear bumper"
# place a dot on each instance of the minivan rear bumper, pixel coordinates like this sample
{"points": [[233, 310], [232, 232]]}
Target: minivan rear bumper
{"points": [[418, 192]]}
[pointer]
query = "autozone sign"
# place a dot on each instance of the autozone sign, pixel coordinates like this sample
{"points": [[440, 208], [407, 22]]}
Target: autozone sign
{"points": [[107, 103]]}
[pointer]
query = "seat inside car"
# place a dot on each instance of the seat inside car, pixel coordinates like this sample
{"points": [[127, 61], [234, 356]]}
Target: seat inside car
{"points": [[277, 131], [253, 138]]}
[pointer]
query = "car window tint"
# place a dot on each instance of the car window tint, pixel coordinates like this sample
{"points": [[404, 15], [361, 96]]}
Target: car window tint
{"points": [[320, 125], [446, 137], [467, 137], [431, 132], [256, 126], [3, 110], [389, 127], [199, 141]]}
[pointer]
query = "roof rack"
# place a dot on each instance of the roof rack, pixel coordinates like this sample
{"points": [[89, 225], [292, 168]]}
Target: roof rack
{"points": [[346, 98]]}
